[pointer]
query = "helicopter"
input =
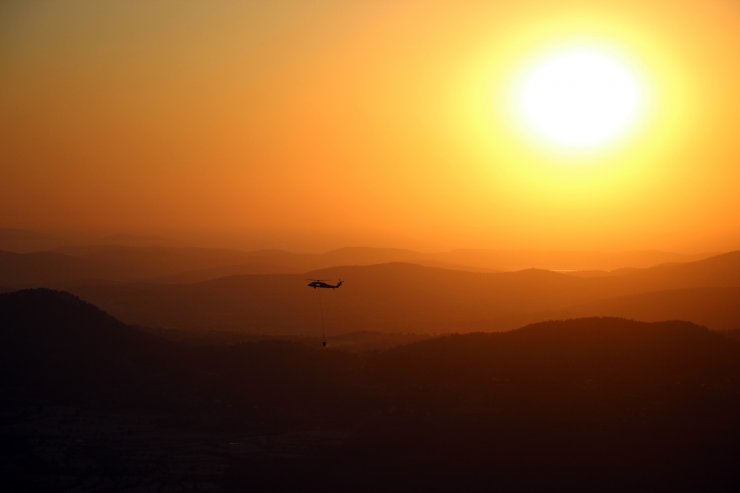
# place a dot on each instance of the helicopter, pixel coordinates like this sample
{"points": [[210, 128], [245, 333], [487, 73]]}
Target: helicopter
{"points": [[322, 283]]}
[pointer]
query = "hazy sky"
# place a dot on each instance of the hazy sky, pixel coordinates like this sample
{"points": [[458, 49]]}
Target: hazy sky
{"points": [[347, 122]]}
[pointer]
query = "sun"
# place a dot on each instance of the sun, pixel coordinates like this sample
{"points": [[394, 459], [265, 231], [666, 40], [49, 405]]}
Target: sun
{"points": [[580, 98]]}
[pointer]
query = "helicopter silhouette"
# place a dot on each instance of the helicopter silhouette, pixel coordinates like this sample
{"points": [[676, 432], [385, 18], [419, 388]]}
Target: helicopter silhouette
{"points": [[322, 283]]}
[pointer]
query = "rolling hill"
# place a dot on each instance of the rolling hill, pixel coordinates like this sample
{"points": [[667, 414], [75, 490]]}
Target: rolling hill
{"points": [[716, 307], [584, 399], [399, 297], [85, 264], [716, 271], [385, 297], [80, 265], [65, 266], [54, 345]]}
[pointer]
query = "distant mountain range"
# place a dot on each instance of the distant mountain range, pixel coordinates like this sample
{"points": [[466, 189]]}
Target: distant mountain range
{"points": [[86, 264], [48, 264], [387, 290], [400, 297]]}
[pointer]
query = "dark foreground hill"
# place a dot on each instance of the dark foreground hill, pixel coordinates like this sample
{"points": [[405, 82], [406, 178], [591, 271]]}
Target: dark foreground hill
{"points": [[55, 346], [589, 404]]}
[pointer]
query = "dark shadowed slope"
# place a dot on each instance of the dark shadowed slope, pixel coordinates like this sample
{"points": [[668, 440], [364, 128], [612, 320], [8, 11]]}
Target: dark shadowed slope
{"points": [[573, 349], [598, 398], [33, 312], [53, 343], [553, 406]]}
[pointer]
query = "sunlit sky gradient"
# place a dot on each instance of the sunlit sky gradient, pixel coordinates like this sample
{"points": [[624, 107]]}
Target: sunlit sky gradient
{"points": [[380, 123]]}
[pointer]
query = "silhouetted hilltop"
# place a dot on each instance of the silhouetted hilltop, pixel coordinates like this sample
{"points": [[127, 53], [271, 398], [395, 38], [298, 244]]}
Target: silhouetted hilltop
{"points": [[62, 323], [583, 347], [50, 311], [54, 344], [612, 344]]}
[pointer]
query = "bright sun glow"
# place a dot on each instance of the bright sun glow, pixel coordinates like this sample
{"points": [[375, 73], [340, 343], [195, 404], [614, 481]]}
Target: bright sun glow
{"points": [[580, 98]]}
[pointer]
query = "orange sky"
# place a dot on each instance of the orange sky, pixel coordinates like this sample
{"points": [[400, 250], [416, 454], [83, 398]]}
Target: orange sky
{"points": [[360, 122]]}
